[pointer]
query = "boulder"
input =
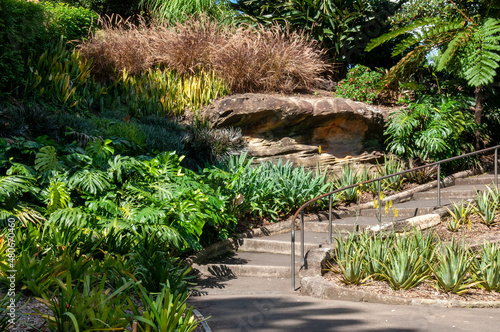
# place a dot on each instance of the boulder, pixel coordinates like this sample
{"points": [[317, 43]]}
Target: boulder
{"points": [[294, 127]]}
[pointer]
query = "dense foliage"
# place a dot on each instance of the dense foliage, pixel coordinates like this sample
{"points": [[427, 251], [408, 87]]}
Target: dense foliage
{"points": [[431, 129], [342, 27], [28, 29], [172, 11]]}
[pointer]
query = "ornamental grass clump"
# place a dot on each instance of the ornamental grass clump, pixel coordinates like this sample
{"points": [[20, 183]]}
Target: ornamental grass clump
{"points": [[249, 59]]}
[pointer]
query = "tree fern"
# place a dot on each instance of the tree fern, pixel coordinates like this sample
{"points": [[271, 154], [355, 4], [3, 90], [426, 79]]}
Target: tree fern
{"points": [[483, 59]]}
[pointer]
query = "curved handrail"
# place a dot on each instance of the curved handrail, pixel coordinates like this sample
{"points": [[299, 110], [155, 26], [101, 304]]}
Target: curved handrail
{"points": [[379, 180]]}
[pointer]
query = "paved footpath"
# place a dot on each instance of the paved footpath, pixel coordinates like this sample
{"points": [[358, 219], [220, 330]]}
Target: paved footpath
{"points": [[258, 304]]}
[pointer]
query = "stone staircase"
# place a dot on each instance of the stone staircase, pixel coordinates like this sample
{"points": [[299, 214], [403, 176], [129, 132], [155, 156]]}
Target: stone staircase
{"points": [[266, 254]]}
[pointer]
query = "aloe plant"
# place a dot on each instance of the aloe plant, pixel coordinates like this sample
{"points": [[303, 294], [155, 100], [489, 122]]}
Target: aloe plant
{"points": [[391, 165], [347, 177], [486, 271], [452, 267], [377, 253], [461, 212], [405, 266], [350, 258], [487, 206]]}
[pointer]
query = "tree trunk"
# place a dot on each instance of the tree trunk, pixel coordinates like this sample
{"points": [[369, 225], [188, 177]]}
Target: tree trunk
{"points": [[478, 113]]}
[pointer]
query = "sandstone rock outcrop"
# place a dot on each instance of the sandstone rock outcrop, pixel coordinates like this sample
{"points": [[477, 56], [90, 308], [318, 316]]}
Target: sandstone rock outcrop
{"points": [[294, 127]]}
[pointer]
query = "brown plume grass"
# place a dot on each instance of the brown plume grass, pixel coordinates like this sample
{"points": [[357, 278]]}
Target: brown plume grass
{"points": [[249, 59]]}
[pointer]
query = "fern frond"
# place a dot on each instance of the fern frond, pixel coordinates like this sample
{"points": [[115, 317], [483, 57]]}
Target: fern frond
{"points": [[453, 47], [483, 60], [401, 31], [407, 65]]}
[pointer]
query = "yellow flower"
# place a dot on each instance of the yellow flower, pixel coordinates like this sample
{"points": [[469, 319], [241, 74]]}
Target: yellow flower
{"points": [[386, 207], [395, 212], [319, 149], [375, 203], [390, 204]]}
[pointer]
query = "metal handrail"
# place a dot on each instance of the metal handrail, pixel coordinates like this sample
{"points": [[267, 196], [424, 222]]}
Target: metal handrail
{"points": [[438, 164]]}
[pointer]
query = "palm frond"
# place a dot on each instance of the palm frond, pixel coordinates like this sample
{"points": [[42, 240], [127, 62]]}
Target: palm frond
{"points": [[25, 213]]}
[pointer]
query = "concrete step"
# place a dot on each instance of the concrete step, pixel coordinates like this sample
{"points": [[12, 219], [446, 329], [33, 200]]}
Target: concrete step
{"points": [[412, 208], [453, 192], [349, 224], [273, 247], [249, 264], [487, 179]]}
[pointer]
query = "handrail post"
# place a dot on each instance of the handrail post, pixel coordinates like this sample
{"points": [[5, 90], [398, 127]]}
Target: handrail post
{"points": [[330, 227], [301, 236], [379, 204], [292, 270], [496, 167], [439, 185]]}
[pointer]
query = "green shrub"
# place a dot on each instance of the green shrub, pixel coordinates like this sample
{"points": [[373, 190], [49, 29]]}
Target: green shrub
{"points": [[359, 84], [274, 189], [73, 23], [432, 128]]}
